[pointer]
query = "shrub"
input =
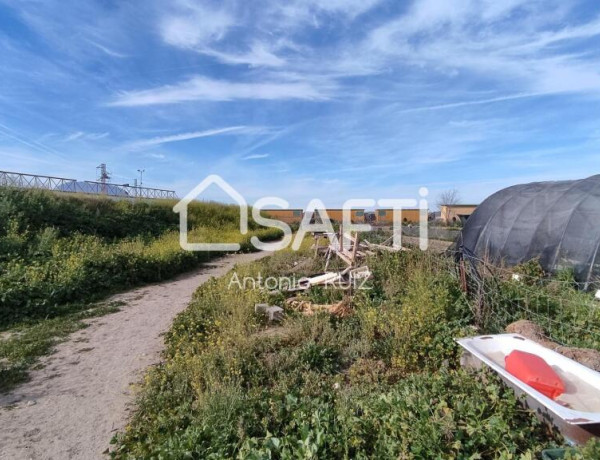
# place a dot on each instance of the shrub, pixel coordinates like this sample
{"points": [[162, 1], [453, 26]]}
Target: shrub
{"points": [[58, 249], [585, 452]]}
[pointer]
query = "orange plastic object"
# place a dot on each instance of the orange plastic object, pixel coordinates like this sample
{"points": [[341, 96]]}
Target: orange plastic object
{"points": [[535, 372]]}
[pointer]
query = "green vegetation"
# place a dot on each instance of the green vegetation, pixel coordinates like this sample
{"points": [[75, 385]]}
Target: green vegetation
{"points": [[587, 452], [567, 314], [58, 253], [384, 382]]}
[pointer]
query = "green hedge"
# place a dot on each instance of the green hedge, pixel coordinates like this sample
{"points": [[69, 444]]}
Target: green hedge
{"points": [[57, 249]]}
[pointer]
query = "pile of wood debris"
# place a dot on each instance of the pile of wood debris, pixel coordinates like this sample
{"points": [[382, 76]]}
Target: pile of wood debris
{"points": [[349, 248], [352, 252], [340, 309]]}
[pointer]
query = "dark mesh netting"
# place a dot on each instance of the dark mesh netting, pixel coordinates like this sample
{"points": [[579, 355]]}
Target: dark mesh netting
{"points": [[557, 222]]}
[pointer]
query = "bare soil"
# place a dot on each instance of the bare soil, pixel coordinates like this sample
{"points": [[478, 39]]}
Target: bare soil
{"points": [[533, 331], [74, 404]]}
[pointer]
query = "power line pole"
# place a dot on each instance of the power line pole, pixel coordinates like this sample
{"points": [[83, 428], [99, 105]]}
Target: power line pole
{"points": [[141, 171]]}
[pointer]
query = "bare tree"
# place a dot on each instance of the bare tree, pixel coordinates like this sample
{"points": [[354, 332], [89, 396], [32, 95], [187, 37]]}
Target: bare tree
{"points": [[448, 198]]}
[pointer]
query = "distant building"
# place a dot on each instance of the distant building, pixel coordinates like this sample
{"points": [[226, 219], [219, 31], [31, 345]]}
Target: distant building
{"points": [[337, 215], [435, 215], [289, 216], [456, 213], [386, 216], [370, 217]]}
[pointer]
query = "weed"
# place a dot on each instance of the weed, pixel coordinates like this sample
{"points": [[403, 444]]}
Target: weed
{"points": [[383, 383]]}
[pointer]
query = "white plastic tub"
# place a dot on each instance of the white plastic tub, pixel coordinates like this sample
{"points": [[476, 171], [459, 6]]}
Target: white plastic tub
{"points": [[576, 413]]}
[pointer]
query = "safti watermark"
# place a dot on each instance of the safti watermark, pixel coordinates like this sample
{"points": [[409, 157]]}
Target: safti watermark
{"points": [[314, 220]]}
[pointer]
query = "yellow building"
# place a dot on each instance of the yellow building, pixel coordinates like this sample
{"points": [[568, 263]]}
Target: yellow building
{"points": [[386, 216], [289, 216], [456, 213], [337, 215]]}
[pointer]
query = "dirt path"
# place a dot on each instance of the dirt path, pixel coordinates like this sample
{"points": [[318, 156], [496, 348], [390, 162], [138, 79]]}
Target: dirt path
{"points": [[73, 406]]}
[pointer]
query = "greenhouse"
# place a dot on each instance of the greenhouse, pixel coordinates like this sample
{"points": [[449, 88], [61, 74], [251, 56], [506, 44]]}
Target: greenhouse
{"points": [[555, 222]]}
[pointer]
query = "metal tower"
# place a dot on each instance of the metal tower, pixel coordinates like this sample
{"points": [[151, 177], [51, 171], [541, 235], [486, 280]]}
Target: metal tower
{"points": [[103, 176]]}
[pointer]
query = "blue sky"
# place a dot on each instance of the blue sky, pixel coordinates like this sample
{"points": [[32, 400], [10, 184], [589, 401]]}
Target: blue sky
{"points": [[305, 98]]}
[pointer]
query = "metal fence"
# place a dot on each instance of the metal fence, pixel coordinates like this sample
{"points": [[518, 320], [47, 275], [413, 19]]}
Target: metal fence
{"points": [[61, 184]]}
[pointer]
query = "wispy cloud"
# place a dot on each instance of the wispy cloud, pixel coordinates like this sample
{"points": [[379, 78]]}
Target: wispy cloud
{"points": [[298, 12], [81, 135], [206, 89], [6, 131], [206, 29], [230, 130], [491, 100], [96, 136], [256, 156], [74, 136], [110, 52], [516, 42], [258, 56], [390, 92], [194, 25]]}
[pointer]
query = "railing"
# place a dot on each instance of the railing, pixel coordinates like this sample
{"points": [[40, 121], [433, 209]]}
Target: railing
{"points": [[61, 184]]}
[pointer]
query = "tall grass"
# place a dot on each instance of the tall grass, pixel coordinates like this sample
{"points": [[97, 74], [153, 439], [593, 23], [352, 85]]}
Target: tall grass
{"points": [[32, 211]]}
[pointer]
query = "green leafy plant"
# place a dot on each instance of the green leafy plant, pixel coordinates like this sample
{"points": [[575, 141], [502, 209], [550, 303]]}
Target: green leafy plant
{"points": [[382, 383]]}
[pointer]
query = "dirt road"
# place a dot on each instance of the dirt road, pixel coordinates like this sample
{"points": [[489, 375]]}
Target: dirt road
{"points": [[72, 407]]}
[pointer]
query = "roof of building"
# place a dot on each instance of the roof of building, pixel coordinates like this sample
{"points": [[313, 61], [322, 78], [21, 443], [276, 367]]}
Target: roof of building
{"points": [[460, 205], [93, 188], [279, 209]]}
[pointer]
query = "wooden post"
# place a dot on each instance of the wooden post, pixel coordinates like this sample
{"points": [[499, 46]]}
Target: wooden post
{"points": [[355, 248]]}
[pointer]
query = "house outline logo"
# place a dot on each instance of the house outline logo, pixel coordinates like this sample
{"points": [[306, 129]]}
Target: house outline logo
{"points": [[182, 209]]}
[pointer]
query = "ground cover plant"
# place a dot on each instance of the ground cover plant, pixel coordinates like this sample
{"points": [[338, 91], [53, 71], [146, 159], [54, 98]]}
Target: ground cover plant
{"points": [[59, 254], [384, 382]]}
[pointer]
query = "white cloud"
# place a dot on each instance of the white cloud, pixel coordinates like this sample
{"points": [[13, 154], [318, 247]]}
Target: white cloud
{"points": [[258, 56], [96, 136], [252, 35], [256, 156], [298, 12], [196, 135], [74, 136], [195, 25], [491, 100], [33, 144], [206, 89], [430, 16], [107, 50], [81, 135], [516, 42]]}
